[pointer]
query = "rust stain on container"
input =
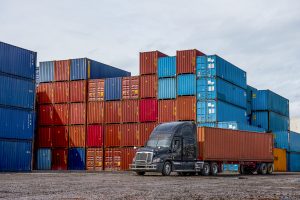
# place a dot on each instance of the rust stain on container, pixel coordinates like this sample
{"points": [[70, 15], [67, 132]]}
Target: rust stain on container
{"points": [[61, 92], [96, 112], [130, 135], [77, 135], [112, 112], [78, 91], [44, 93], [148, 86], [149, 61], [231, 145], [113, 158], [96, 90], [62, 70], [77, 113], [130, 87], [60, 114], [94, 159], [166, 111], [145, 131], [186, 61], [112, 135], [130, 110], [186, 108], [128, 154]]}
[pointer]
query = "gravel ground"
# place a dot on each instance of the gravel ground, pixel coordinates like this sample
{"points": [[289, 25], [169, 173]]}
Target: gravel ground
{"points": [[126, 185]]}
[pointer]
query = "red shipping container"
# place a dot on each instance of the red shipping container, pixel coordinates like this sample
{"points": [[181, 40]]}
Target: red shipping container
{"points": [[148, 110], [95, 136], [112, 135], [44, 137], [148, 86], [77, 136], [166, 111], [77, 113], [59, 159], [113, 159], [62, 70], [130, 135], [130, 87], [78, 91], [186, 61], [61, 92], [94, 159], [127, 157], [149, 61], [44, 93], [145, 131], [112, 112], [95, 112], [45, 114], [96, 90], [60, 136], [60, 114], [130, 110], [186, 108]]}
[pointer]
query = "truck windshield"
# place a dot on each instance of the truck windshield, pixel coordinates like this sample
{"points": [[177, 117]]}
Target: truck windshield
{"points": [[159, 141]]}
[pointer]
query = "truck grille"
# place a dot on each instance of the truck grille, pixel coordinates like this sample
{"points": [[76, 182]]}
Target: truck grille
{"points": [[143, 157]]}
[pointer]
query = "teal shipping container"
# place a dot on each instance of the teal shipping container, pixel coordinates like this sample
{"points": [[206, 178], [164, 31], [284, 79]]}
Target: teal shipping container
{"points": [[281, 139], [270, 121], [293, 161], [44, 159], [186, 85], [166, 67], [250, 91], [294, 140], [167, 88]]}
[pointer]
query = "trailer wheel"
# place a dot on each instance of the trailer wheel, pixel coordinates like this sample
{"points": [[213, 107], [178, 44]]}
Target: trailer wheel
{"points": [[270, 168], [167, 169], [263, 169], [140, 173], [206, 169], [214, 169]]}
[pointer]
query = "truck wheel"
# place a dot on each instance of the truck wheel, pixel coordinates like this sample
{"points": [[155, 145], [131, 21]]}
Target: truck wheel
{"points": [[242, 170], [167, 169], [263, 169], [206, 169], [270, 168], [214, 169], [140, 173]]}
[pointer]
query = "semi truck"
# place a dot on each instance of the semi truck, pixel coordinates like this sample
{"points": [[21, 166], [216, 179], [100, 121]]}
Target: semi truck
{"points": [[184, 148]]}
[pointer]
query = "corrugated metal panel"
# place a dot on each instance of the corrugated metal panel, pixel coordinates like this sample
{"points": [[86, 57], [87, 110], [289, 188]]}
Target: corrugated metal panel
{"points": [[280, 164], [77, 113], [130, 135], [145, 131], [16, 123], [166, 67], [293, 161], [112, 135], [15, 155], [127, 157], [167, 88], [47, 71], [186, 108], [217, 111], [95, 112], [59, 159], [60, 114], [94, 159], [148, 62], [148, 86], [113, 158], [17, 61], [95, 136], [186, 61], [234, 145], [44, 159], [76, 159], [266, 100], [78, 91], [60, 136], [210, 66], [186, 84], [250, 91], [113, 89], [294, 140], [62, 70], [270, 121], [239, 126], [79, 69], [77, 136], [44, 137], [96, 90], [130, 87], [216, 88], [45, 93], [281, 139], [61, 92], [45, 114], [148, 110], [166, 111], [113, 112], [17, 92], [130, 111]]}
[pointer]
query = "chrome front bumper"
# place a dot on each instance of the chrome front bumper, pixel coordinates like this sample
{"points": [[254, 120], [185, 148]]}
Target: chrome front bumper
{"points": [[146, 167]]}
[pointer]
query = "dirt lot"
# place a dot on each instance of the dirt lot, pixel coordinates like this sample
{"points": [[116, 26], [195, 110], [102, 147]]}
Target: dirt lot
{"points": [[126, 185]]}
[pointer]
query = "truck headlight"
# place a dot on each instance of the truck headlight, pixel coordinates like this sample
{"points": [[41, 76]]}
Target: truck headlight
{"points": [[156, 160]]}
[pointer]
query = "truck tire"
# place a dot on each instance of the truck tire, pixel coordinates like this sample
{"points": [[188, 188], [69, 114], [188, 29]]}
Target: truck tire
{"points": [[214, 169], [263, 169], [242, 170], [270, 168], [140, 173], [206, 169], [167, 169]]}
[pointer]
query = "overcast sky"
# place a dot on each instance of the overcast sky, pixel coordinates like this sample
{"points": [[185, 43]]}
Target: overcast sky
{"points": [[261, 37]]}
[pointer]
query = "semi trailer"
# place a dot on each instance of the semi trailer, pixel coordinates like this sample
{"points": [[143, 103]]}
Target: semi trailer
{"points": [[184, 148]]}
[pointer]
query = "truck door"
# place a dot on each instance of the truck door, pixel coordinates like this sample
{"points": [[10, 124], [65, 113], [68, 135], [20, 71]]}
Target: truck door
{"points": [[188, 148], [177, 152]]}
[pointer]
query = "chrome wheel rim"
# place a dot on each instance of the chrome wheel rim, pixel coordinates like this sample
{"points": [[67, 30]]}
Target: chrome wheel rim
{"points": [[168, 168]]}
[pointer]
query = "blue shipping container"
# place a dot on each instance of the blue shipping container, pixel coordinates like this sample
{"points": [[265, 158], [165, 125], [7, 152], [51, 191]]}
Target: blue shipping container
{"points": [[84, 68], [186, 85], [270, 121], [231, 167], [250, 91], [218, 89], [46, 71], [240, 126], [167, 67], [212, 66], [17, 61], [16, 123], [281, 139], [167, 88], [266, 100], [113, 89], [217, 111], [76, 159], [15, 155], [249, 106], [17, 92], [294, 140], [44, 159], [293, 161]]}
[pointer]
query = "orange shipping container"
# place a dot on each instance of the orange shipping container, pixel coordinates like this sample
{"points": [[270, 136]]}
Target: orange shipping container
{"points": [[45, 93], [186, 108], [78, 91], [145, 131], [127, 157], [96, 90], [149, 61], [94, 159], [166, 111], [77, 136], [112, 111], [60, 114], [279, 160], [62, 70], [186, 61], [148, 86], [130, 110], [130, 87], [113, 159], [77, 113], [130, 135], [231, 145], [112, 135], [96, 112], [61, 92]]}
